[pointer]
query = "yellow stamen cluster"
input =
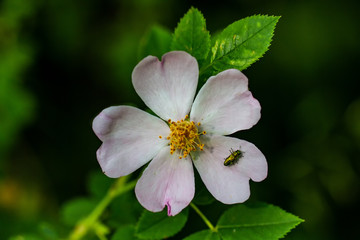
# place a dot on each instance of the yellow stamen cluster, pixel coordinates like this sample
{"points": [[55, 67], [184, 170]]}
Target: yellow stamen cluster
{"points": [[184, 137]]}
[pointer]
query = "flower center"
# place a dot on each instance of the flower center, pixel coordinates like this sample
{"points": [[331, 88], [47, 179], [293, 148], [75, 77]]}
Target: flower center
{"points": [[184, 137]]}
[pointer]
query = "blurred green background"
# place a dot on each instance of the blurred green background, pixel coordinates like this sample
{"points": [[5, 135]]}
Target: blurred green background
{"points": [[63, 61]]}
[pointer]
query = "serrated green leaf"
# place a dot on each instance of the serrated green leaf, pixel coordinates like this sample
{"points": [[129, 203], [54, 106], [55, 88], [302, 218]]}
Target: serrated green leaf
{"points": [[159, 225], [76, 209], [191, 35], [156, 42], [203, 235], [125, 233], [257, 221], [241, 44]]}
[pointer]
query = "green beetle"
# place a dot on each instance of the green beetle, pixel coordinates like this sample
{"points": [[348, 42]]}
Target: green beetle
{"points": [[234, 157]]}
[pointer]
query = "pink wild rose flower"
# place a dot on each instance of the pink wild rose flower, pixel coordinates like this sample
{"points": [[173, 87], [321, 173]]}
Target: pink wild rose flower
{"points": [[187, 132]]}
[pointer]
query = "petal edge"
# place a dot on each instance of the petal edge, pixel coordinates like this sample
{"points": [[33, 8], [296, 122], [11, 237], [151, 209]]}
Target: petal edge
{"points": [[167, 87], [224, 104], [130, 139], [167, 181], [230, 184]]}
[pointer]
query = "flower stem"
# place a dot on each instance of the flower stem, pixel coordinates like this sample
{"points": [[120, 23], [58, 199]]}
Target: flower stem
{"points": [[203, 217], [91, 221]]}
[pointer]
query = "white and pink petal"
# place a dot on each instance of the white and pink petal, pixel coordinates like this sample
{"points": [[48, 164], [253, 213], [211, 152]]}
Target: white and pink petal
{"points": [[167, 181], [224, 104], [130, 139], [167, 87], [230, 184]]}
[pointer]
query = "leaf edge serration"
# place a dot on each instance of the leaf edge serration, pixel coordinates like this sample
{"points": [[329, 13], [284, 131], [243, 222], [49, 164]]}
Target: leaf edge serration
{"points": [[214, 49], [193, 10]]}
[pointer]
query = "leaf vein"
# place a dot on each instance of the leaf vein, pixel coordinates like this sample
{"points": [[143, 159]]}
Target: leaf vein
{"points": [[251, 36], [257, 224]]}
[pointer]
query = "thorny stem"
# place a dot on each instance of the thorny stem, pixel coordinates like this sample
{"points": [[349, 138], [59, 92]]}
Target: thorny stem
{"points": [[203, 217], [91, 221]]}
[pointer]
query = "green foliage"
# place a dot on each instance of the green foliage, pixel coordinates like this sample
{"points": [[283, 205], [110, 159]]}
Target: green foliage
{"points": [[26, 237], [191, 35], [16, 104], [251, 222], [156, 42], [159, 225], [76, 209], [48, 231], [237, 46], [202, 195], [125, 233], [41, 231], [124, 209], [241, 44], [204, 235], [257, 221], [98, 184]]}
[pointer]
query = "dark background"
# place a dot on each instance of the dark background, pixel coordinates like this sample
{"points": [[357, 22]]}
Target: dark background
{"points": [[63, 61]]}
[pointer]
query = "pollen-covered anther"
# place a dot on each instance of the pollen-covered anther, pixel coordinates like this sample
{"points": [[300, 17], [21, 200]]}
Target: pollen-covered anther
{"points": [[201, 147], [184, 137]]}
